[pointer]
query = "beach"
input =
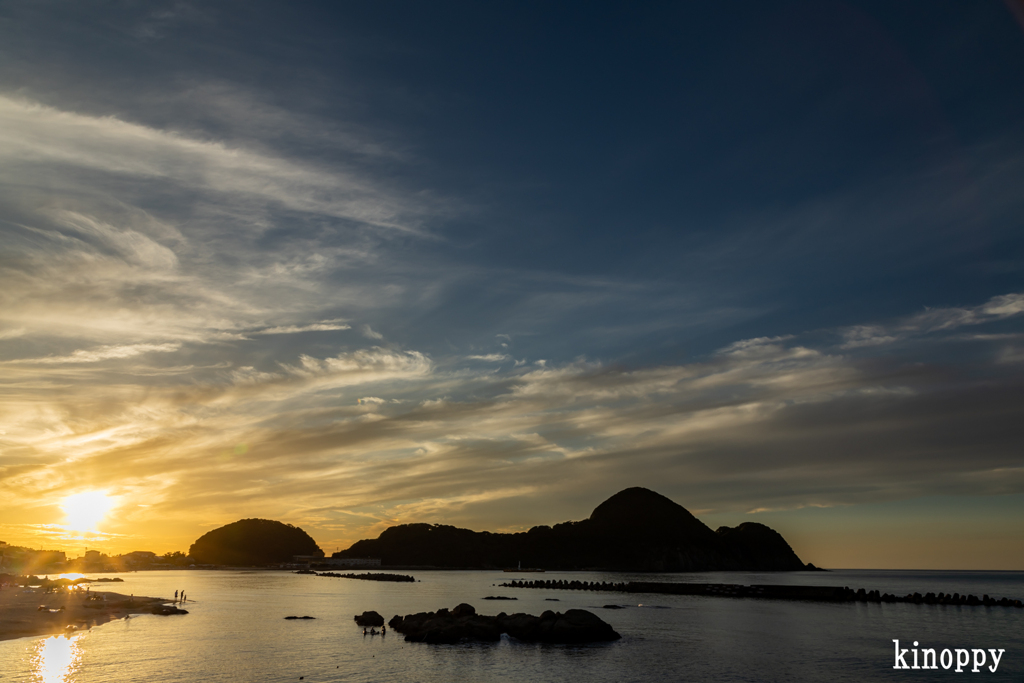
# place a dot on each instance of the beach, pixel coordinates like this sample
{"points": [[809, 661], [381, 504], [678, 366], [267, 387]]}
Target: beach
{"points": [[31, 611]]}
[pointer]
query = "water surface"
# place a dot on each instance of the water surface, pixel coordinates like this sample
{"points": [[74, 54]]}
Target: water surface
{"points": [[236, 631]]}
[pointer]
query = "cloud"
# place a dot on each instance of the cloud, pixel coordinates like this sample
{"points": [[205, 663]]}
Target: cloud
{"points": [[934, 320], [101, 353], [34, 136], [490, 357], [372, 364], [755, 347], [322, 326], [369, 333], [1011, 354], [134, 247], [119, 233]]}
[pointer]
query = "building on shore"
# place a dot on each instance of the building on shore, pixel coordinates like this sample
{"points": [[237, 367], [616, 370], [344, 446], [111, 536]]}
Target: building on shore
{"points": [[337, 561], [18, 559]]}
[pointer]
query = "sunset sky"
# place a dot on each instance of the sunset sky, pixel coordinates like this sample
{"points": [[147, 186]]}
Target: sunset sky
{"points": [[348, 265]]}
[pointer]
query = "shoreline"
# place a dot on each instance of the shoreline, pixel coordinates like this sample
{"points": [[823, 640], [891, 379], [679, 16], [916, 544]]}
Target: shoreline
{"points": [[30, 612]]}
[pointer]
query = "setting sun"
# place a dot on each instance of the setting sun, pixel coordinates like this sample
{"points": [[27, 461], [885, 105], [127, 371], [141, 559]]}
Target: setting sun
{"points": [[83, 511]]}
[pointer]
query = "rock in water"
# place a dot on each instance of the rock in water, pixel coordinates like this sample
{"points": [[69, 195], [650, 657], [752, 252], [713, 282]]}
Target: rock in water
{"points": [[463, 623], [464, 610], [369, 619], [576, 626], [166, 610]]}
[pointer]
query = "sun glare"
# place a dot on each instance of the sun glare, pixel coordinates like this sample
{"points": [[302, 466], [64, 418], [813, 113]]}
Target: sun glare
{"points": [[84, 511], [56, 659]]}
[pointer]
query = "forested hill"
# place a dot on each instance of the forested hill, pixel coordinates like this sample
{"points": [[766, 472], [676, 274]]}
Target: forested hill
{"points": [[253, 542], [634, 530]]}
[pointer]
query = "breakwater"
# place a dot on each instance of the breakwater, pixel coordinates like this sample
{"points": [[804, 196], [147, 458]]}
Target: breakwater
{"points": [[770, 592], [370, 577]]}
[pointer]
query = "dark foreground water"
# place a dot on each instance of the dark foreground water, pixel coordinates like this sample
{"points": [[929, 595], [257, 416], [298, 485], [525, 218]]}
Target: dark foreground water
{"points": [[236, 632]]}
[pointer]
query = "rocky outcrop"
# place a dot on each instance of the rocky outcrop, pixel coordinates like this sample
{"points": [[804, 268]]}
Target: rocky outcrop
{"points": [[369, 619], [463, 623], [574, 626], [166, 610]]}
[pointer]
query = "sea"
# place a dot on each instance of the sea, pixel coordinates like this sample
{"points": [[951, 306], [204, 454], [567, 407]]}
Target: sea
{"points": [[236, 631]]}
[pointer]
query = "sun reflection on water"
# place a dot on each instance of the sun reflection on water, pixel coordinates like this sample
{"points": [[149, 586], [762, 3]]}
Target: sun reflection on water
{"points": [[56, 659]]}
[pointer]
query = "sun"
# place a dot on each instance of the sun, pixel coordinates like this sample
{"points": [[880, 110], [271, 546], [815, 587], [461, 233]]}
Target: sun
{"points": [[83, 511]]}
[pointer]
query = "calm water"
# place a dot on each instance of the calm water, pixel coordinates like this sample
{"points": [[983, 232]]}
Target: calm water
{"points": [[236, 632]]}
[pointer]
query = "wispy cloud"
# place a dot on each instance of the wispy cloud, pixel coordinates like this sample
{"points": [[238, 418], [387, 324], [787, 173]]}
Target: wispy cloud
{"points": [[118, 233], [34, 136], [934, 320], [372, 364], [100, 354], [322, 326]]}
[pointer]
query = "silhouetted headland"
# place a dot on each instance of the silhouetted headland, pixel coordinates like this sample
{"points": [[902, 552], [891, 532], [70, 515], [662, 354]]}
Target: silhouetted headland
{"points": [[634, 530]]}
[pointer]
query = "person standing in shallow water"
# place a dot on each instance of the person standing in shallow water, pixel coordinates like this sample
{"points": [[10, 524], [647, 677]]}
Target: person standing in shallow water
{"points": [[175, 596]]}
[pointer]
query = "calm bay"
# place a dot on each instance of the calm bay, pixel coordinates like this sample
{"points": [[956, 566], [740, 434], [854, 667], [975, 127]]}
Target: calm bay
{"points": [[236, 631]]}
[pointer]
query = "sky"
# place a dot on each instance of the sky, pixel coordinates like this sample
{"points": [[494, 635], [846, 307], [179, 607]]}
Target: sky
{"points": [[351, 265]]}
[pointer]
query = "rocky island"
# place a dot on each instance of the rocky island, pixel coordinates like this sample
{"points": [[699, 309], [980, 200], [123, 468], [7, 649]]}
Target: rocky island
{"points": [[634, 530]]}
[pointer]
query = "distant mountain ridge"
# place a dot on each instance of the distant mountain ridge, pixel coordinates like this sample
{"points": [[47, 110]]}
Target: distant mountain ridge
{"points": [[634, 530]]}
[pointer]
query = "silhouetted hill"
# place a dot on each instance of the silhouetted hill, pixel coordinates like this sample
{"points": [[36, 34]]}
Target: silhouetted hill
{"points": [[759, 547], [634, 530], [250, 542]]}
